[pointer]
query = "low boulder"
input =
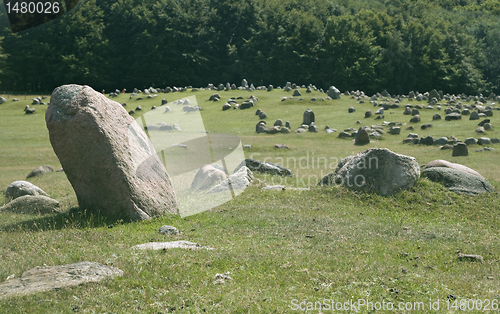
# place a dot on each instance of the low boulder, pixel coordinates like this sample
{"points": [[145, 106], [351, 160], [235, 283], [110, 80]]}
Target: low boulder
{"points": [[379, 170], [237, 181], [32, 205], [39, 171], [207, 177], [20, 188], [460, 149], [362, 137], [447, 164], [458, 181]]}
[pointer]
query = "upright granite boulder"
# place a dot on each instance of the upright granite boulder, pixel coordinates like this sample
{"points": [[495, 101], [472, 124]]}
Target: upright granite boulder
{"points": [[333, 92], [379, 170], [106, 156]]}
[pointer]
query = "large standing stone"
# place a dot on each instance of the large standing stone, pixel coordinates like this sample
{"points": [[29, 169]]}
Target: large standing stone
{"points": [[106, 156], [20, 188], [308, 117], [296, 93], [379, 170], [474, 116]]}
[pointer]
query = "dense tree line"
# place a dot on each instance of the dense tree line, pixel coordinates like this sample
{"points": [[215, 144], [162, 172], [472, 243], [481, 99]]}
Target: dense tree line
{"points": [[397, 45]]}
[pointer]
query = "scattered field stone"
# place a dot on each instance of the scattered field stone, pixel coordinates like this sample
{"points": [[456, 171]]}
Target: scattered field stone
{"points": [[470, 141], [207, 177], [460, 149], [483, 141], [170, 245], [308, 117], [55, 277], [20, 188], [458, 181], [2, 100], [474, 116], [437, 116], [362, 137], [426, 126], [471, 257], [495, 140], [265, 167], [415, 119], [446, 146], [482, 123], [239, 180], [368, 114], [32, 204], [39, 171], [453, 116], [168, 230]]}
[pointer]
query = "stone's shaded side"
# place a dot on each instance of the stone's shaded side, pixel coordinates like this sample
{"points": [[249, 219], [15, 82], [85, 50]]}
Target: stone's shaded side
{"points": [[107, 157]]}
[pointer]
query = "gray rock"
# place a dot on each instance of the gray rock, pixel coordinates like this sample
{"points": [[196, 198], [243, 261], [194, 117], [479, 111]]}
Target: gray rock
{"points": [[106, 155], [237, 181], [55, 277], [296, 93], [474, 116], [414, 112], [226, 107], [362, 137], [427, 141], [265, 167], [168, 230], [379, 170], [2, 100], [368, 114], [460, 149], [278, 122], [426, 126], [207, 177], [344, 134], [487, 126], [29, 204], [407, 111], [482, 123], [287, 124], [415, 119], [495, 140], [261, 127], [453, 116], [21, 188], [39, 171], [308, 117], [170, 245], [313, 128], [437, 116], [483, 141], [458, 181], [395, 130], [441, 141], [285, 130], [447, 164], [470, 141]]}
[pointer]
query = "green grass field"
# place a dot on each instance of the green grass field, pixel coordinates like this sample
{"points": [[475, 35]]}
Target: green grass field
{"points": [[282, 248]]}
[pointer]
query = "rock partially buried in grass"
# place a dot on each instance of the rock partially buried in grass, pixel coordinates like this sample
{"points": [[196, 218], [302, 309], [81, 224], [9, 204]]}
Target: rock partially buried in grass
{"points": [[55, 277], [265, 167], [378, 170], [20, 188], [447, 164], [28, 204], [458, 181], [107, 157], [168, 230], [170, 245]]}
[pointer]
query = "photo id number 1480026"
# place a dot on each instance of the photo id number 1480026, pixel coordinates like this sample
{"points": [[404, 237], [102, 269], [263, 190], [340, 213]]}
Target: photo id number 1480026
{"points": [[38, 7]]}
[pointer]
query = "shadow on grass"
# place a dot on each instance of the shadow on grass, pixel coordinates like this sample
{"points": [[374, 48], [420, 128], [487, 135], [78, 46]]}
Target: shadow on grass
{"points": [[74, 218]]}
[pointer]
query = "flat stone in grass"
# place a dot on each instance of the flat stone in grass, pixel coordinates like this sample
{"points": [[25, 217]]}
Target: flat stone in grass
{"points": [[55, 277], [458, 181], [170, 245], [482, 123], [32, 204], [39, 171], [460, 149], [265, 167], [21, 188]]}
